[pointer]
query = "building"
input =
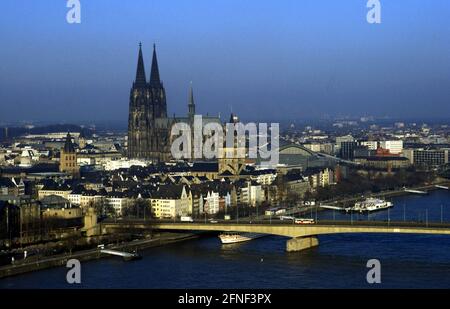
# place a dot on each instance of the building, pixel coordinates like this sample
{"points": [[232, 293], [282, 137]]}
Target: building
{"points": [[318, 177], [9, 224], [148, 123], [58, 213], [262, 176], [119, 201], [68, 159], [429, 157], [209, 170], [371, 145], [232, 159], [384, 162], [256, 196], [340, 140], [53, 188], [394, 146], [29, 218], [294, 156], [12, 186], [327, 148], [28, 157], [113, 165], [57, 207], [86, 198], [149, 127], [212, 202], [347, 150], [292, 183], [171, 201], [197, 202]]}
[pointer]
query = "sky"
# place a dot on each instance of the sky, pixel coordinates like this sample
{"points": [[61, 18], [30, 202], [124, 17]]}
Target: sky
{"points": [[261, 59]]}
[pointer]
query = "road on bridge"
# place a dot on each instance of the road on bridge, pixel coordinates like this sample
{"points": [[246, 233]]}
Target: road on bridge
{"points": [[277, 221]]}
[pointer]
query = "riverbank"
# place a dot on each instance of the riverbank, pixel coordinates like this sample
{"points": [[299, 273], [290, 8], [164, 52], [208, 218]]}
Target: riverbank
{"points": [[349, 201], [93, 254], [388, 194]]}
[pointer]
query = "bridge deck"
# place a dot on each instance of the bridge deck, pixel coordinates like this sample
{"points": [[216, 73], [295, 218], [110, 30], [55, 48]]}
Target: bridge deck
{"points": [[292, 230]]}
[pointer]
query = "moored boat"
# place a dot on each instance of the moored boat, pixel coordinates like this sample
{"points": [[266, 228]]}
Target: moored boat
{"points": [[372, 204], [232, 238]]}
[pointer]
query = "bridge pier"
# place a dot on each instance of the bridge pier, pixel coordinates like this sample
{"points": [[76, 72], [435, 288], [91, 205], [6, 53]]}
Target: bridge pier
{"points": [[301, 243]]}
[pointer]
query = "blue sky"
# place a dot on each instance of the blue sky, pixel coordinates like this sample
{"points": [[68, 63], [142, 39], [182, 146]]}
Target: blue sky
{"points": [[282, 59]]}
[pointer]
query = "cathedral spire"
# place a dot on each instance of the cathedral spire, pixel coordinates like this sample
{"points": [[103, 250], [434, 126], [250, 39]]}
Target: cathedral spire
{"points": [[191, 105], [154, 74], [140, 72]]}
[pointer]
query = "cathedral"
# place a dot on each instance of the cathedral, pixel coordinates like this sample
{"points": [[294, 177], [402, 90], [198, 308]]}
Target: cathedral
{"points": [[149, 127]]}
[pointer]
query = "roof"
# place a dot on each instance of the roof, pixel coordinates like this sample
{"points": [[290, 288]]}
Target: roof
{"points": [[52, 185], [168, 192], [294, 149], [385, 158], [7, 182], [38, 168], [54, 200], [205, 167]]}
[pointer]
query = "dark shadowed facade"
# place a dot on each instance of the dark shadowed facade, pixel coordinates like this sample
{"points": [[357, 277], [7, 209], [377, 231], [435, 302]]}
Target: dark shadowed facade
{"points": [[149, 127], [148, 123]]}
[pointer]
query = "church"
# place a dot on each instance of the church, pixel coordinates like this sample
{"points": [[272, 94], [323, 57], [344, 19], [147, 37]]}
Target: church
{"points": [[149, 127]]}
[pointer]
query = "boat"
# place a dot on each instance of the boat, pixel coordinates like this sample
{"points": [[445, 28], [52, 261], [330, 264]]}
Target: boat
{"points": [[133, 256], [232, 238], [371, 204]]}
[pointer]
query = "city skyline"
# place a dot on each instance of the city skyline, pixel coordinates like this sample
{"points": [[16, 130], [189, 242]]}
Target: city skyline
{"points": [[309, 58], [226, 151]]}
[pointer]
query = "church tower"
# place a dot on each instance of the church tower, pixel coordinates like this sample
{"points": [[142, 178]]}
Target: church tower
{"points": [[232, 157], [191, 104], [157, 91], [147, 120], [68, 158], [139, 112]]}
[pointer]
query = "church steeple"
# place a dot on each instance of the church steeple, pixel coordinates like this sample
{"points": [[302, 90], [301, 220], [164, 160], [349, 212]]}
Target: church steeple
{"points": [[68, 145], [191, 105], [154, 74], [140, 72]]}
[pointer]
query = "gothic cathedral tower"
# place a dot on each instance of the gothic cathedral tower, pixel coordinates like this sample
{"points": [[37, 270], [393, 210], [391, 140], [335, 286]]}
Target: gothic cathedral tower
{"points": [[147, 120]]}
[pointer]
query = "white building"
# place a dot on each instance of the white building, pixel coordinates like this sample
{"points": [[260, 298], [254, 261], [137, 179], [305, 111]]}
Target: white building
{"points": [[211, 205], [112, 165], [394, 146], [256, 195], [251, 194], [171, 201], [74, 198], [371, 145], [87, 199], [28, 157], [342, 139], [264, 177], [118, 202]]}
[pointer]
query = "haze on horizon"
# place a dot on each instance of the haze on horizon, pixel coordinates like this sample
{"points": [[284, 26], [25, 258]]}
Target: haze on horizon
{"points": [[263, 59]]}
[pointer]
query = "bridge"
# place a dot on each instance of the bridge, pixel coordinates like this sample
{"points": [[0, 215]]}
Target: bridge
{"points": [[302, 236]]}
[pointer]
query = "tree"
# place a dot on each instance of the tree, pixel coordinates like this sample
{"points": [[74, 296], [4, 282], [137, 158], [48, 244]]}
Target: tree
{"points": [[102, 208], [138, 209]]}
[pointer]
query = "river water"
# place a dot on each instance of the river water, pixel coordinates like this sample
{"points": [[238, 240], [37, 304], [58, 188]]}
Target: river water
{"points": [[407, 261]]}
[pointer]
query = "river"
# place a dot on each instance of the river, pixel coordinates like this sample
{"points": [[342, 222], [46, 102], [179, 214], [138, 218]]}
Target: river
{"points": [[407, 261]]}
